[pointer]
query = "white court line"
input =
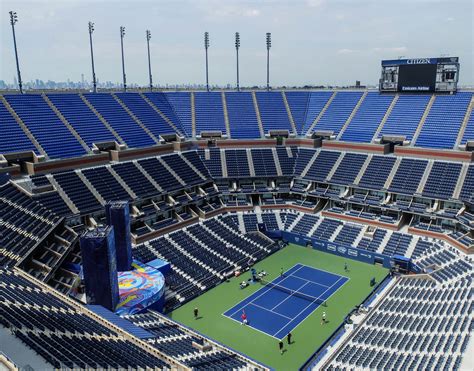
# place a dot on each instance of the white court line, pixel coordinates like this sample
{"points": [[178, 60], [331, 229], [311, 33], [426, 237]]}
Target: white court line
{"points": [[269, 310], [264, 292], [348, 279], [319, 269], [250, 326], [289, 296], [313, 302], [309, 281]]}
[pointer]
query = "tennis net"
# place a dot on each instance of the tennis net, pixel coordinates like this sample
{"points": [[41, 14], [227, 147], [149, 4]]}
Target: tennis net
{"points": [[292, 292]]}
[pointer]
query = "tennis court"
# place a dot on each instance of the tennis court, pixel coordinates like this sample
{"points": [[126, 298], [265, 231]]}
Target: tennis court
{"points": [[282, 304]]}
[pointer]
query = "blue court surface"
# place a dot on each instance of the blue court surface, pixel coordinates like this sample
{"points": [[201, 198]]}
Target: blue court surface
{"points": [[276, 312]]}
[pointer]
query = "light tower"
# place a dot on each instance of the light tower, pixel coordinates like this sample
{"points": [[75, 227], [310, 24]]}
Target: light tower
{"points": [[148, 37], [122, 34], [13, 20], [269, 45], [206, 46], [94, 81], [237, 46]]}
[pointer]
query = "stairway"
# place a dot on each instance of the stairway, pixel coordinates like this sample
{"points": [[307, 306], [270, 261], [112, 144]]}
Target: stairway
{"points": [[193, 115], [104, 121], [23, 127], [426, 174], [136, 119], [148, 176], [178, 178], [277, 162], [223, 163], [335, 166], [257, 112], [310, 163], [363, 169], [385, 117], [226, 115], [354, 111], [250, 161], [91, 187], [288, 111], [316, 120], [464, 123], [460, 183], [158, 111], [423, 119], [392, 173], [63, 194], [192, 166], [66, 123], [121, 182]]}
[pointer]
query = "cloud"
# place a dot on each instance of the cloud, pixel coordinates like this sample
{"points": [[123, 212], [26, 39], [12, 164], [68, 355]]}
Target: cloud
{"points": [[315, 3], [394, 49], [234, 11], [346, 51], [450, 19]]}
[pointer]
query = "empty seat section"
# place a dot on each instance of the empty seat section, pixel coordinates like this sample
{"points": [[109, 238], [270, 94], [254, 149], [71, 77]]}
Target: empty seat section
{"points": [[133, 135], [242, 117], [467, 190], [209, 112], [304, 156], [263, 162], [82, 119], [287, 163], [105, 183], [442, 180], [213, 163], [181, 104], [160, 174], [469, 131], [273, 111], [367, 119], [146, 114], [161, 102], [442, 124], [316, 102], [237, 163], [193, 158], [53, 136], [135, 179], [348, 168], [77, 192], [408, 176], [13, 138], [338, 111], [377, 172], [182, 169], [322, 166], [405, 115], [298, 103]]}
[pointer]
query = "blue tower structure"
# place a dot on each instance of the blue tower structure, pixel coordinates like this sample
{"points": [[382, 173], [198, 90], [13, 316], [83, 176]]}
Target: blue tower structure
{"points": [[99, 266], [118, 216]]}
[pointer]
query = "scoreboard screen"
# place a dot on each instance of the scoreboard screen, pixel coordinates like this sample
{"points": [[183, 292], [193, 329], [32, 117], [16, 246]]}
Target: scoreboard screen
{"points": [[417, 77], [424, 75]]}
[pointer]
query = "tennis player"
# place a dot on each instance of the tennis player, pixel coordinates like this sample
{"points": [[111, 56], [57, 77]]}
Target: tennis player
{"points": [[345, 267], [196, 313], [323, 318], [244, 318], [280, 345]]}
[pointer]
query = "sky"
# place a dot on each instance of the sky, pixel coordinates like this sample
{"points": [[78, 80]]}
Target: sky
{"points": [[319, 42]]}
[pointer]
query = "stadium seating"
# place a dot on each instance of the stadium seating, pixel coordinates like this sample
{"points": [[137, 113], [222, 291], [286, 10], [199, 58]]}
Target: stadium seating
{"points": [[242, 116], [367, 119], [405, 116], [13, 139], [81, 118], [145, 113], [129, 130], [442, 124], [273, 112], [338, 111], [53, 136], [62, 333], [209, 112]]}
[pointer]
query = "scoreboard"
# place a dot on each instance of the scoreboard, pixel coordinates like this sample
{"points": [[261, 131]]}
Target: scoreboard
{"points": [[420, 75]]}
